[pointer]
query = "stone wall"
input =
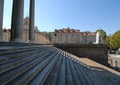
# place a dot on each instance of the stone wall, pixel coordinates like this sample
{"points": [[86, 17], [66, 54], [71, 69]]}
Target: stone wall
{"points": [[114, 61], [94, 52], [39, 38]]}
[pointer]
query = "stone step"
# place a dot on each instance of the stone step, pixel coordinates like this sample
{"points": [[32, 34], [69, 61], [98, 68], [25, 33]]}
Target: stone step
{"points": [[47, 65], [21, 67]]}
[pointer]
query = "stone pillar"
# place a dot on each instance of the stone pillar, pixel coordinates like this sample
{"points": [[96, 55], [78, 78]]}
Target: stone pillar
{"points": [[31, 21], [17, 21], [1, 18]]}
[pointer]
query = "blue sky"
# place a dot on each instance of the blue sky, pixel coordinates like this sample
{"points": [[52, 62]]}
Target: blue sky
{"points": [[85, 15]]}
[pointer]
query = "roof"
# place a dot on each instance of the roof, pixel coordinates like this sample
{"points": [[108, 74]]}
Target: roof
{"points": [[67, 30]]}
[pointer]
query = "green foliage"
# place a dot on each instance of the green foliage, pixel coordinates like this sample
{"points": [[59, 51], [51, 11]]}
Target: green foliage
{"points": [[115, 40], [47, 34], [107, 40], [112, 41], [103, 33]]}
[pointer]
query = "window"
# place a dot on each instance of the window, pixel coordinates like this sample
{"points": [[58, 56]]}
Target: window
{"points": [[26, 22], [55, 34]]}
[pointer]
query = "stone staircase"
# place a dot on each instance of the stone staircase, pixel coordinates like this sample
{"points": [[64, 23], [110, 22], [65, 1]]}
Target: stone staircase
{"points": [[46, 65]]}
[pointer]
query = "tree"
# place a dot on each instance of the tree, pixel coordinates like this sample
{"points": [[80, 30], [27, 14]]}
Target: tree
{"points": [[115, 40], [107, 40], [103, 33], [47, 34]]}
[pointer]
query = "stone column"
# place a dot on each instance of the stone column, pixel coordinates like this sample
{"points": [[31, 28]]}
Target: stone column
{"points": [[31, 21], [1, 18], [17, 21]]}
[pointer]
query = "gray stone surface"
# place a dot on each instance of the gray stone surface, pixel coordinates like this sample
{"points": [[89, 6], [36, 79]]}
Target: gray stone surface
{"points": [[94, 52], [31, 22], [47, 65], [17, 21], [1, 17]]}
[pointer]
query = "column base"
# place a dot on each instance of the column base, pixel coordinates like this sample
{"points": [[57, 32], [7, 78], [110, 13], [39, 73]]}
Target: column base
{"points": [[1, 39], [18, 40], [31, 41]]}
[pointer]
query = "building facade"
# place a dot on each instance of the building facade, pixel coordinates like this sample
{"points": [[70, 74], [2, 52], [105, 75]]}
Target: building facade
{"points": [[72, 36], [66, 36], [39, 37]]}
